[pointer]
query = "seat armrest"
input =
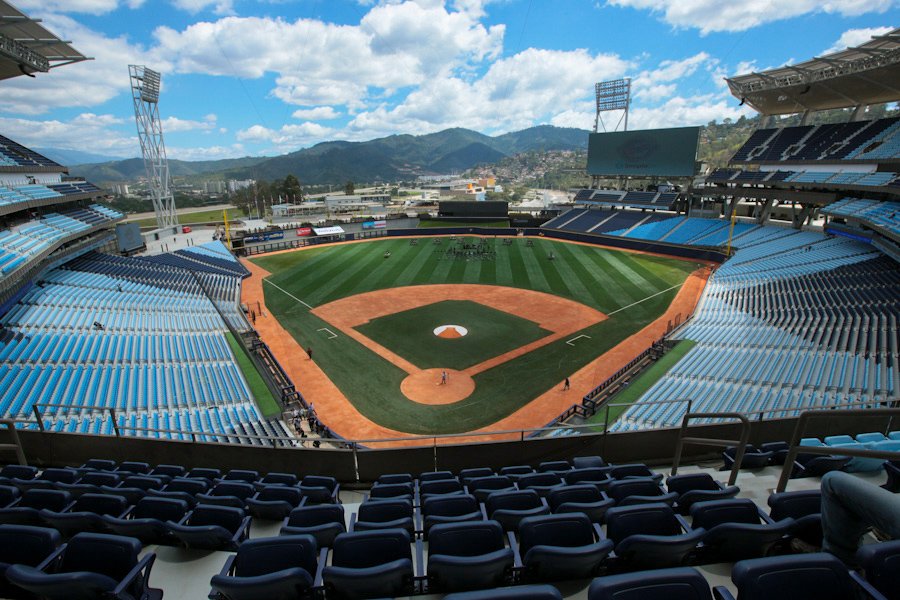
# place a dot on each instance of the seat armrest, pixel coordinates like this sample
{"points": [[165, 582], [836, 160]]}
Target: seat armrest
{"points": [[483, 508], [870, 591], [685, 526], [720, 592], [243, 531], [352, 522], [226, 568], [54, 557], [323, 559], [598, 531], [517, 558], [419, 567], [764, 517], [143, 566]]}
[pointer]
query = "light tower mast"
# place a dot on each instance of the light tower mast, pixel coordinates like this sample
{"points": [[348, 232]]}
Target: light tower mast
{"points": [[612, 95], [145, 94]]}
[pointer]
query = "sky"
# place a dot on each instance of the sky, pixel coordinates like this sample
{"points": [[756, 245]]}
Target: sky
{"points": [[268, 77]]}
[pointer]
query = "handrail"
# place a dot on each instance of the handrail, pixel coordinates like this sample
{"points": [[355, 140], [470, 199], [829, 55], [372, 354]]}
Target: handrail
{"points": [[16, 442], [800, 429], [741, 444]]}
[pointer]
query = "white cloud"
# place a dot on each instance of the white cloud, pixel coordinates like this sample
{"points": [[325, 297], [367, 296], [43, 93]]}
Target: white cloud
{"points": [[680, 111], [174, 124], [739, 15], [206, 153], [38, 8], [220, 7], [288, 137], [856, 37], [88, 83], [87, 131], [319, 113]]}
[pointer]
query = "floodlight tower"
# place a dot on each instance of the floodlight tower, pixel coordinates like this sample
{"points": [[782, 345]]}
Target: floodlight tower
{"points": [[145, 94], [611, 95]]}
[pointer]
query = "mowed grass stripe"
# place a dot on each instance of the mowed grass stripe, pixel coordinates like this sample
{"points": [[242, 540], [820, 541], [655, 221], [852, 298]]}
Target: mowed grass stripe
{"points": [[578, 278], [519, 271], [313, 279], [344, 280], [418, 266], [623, 266], [533, 259], [619, 292], [503, 266]]}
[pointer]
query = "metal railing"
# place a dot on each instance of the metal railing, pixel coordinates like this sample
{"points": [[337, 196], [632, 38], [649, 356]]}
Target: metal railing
{"points": [[741, 443], [16, 444], [800, 430]]}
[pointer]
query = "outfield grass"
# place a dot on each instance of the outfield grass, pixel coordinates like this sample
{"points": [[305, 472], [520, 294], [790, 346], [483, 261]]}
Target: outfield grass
{"points": [[266, 402], [490, 333], [604, 279], [625, 398], [442, 223], [206, 216]]}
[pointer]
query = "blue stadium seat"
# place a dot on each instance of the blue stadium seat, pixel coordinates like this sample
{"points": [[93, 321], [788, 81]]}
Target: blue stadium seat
{"points": [[639, 490], [651, 536], [99, 464], [440, 487], [393, 513], [390, 491], [543, 483], [26, 510], [24, 545], [510, 507], [679, 583], [8, 495], [320, 490], [389, 478], [518, 592], [149, 519], [85, 514], [805, 507], [559, 467], [22, 472], [182, 488], [821, 576], [632, 470], [170, 471], [588, 462], [274, 502], [212, 527], [582, 498], [562, 546], [596, 476], [91, 566], [209, 474], [892, 469], [135, 467], [514, 472], [279, 568], [752, 459], [468, 555], [482, 487], [278, 479], [370, 564], [322, 521], [92, 482], [737, 529], [435, 476], [467, 475], [228, 493], [449, 509], [881, 564], [697, 487]]}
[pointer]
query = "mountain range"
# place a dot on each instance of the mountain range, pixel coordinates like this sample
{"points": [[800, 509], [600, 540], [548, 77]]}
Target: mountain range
{"points": [[390, 158]]}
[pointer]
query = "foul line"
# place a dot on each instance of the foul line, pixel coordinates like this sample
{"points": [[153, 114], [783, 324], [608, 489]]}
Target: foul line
{"points": [[288, 293], [647, 298], [569, 342], [333, 334]]}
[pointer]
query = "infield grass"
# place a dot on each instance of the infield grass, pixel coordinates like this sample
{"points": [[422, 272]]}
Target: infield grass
{"points": [[642, 286], [490, 333]]}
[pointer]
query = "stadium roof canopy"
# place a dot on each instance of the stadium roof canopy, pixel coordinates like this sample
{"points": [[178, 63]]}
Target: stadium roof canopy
{"points": [[27, 47], [867, 74]]}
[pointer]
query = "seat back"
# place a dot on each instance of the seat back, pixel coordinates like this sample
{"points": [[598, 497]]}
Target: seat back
{"points": [[268, 555], [440, 486], [143, 482], [517, 592], [163, 509], [795, 504], [630, 470], [204, 473], [100, 504], [680, 583], [25, 472], [8, 493], [450, 506], [169, 471], [391, 490], [641, 519], [241, 475], [99, 464], [385, 510], [692, 482], [583, 494], [282, 493], [821, 576], [239, 489], [395, 478], [516, 470], [317, 514], [54, 500], [621, 489], [539, 479], [491, 482], [881, 563], [554, 466], [475, 473], [715, 512], [100, 478], [131, 466], [59, 475], [279, 479], [27, 545], [868, 438], [229, 517], [364, 549], [567, 530], [188, 485], [587, 474], [470, 538], [435, 476], [110, 555], [513, 500], [588, 462], [330, 483]]}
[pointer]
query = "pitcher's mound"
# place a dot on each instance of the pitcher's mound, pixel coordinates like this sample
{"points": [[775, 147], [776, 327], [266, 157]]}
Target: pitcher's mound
{"points": [[425, 386], [449, 332]]}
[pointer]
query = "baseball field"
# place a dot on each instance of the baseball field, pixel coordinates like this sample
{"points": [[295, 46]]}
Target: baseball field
{"points": [[451, 335]]}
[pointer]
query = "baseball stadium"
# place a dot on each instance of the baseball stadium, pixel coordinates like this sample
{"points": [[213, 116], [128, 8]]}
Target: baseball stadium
{"points": [[649, 393]]}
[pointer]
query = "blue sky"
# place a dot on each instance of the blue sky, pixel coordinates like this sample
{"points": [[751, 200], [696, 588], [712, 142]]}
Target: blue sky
{"points": [[253, 77]]}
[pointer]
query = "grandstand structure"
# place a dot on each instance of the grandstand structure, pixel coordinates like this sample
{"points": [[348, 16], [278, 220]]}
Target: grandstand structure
{"points": [[800, 317]]}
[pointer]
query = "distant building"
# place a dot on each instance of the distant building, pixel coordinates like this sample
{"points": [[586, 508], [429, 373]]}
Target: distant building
{"points": [[120, 189], [215, 187], [239, 184], [353, 202]]}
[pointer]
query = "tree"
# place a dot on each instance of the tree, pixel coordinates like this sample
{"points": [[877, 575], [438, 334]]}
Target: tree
{"points": [[291, 189], [349, 188]]}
